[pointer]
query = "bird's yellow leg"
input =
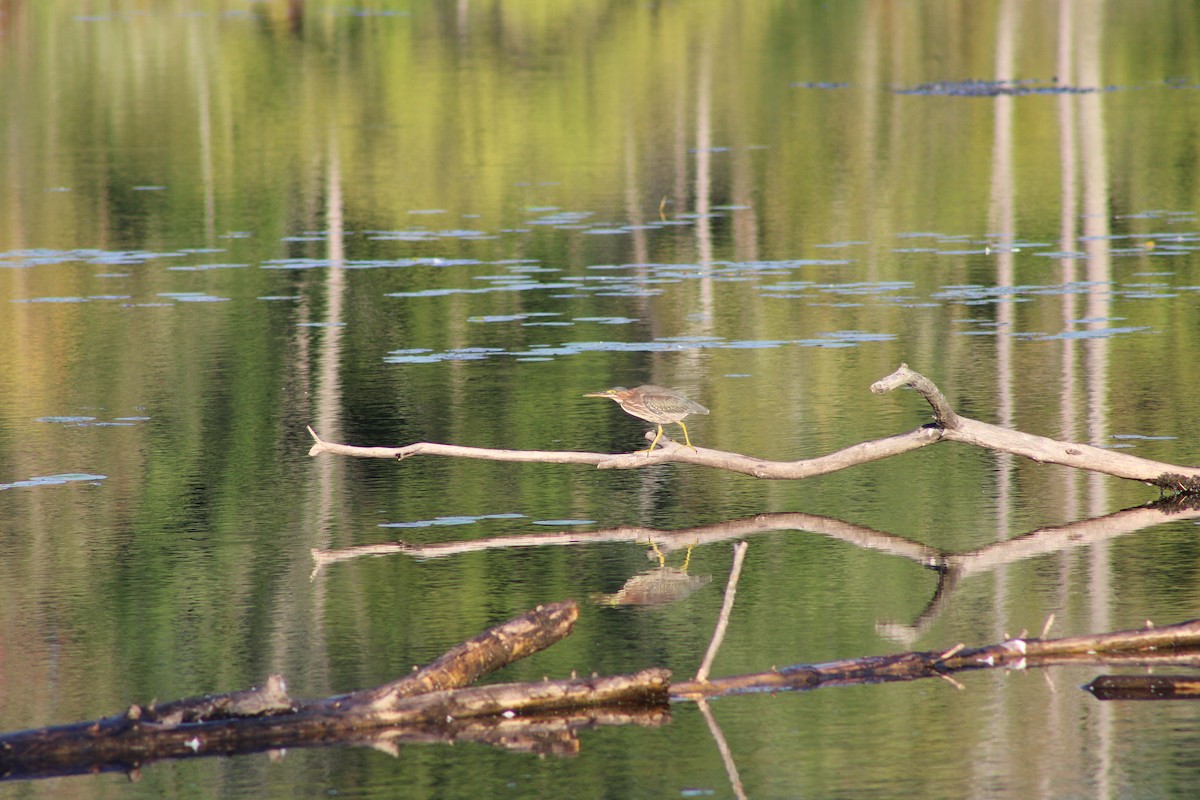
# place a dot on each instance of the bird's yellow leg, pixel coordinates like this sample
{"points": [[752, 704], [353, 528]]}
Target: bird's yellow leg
{"points": [[688, 559], [686, 438], [657, 436]]}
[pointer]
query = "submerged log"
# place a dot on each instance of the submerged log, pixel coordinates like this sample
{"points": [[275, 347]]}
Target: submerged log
{"points": [[947, 426]]}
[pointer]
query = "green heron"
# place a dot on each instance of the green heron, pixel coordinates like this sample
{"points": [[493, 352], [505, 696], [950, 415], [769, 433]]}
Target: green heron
{"points": [[654, 404]]}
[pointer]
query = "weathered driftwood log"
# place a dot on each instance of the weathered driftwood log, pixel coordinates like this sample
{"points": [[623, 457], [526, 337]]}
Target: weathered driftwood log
{"points": [[947, 426], [1172, 644], [125, 743], [426, 703], [539, 717], [466, 662]]}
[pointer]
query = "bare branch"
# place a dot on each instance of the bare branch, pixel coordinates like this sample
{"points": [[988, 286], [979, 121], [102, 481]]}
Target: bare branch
{"points": [[667, 451], [947, 426], [903, 376], [1040, 448], [458, 451]]}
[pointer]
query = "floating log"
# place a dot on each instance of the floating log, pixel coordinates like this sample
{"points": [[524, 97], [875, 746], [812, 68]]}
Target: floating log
{"points": [[1172, 644], [429, 702], [431, 705]]}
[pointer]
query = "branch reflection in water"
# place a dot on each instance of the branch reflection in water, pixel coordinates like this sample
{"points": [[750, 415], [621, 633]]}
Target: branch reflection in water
{"points": [[951, 567]]}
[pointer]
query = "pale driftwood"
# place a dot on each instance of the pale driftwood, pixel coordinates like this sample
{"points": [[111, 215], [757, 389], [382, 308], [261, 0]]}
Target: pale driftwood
{"points": [[954, 428], [1176, 645], [947, 426], [667, 451], [459, 451]]}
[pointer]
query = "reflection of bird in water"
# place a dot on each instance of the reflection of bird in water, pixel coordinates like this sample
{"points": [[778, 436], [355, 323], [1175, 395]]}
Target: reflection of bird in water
{"points": [[654, 404], [655, 587]]}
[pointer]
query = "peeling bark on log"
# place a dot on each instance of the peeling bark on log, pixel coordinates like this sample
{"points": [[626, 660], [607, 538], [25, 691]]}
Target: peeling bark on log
{"points": [[947, 426], [125, 743], [270, 698], [467, 662]]}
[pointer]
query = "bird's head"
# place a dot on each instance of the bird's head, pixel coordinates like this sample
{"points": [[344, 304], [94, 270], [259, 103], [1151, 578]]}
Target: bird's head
{"points": [[615, 393]]}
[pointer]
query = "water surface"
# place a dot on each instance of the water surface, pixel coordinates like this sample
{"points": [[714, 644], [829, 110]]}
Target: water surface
{"points": [[403, 222]]}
